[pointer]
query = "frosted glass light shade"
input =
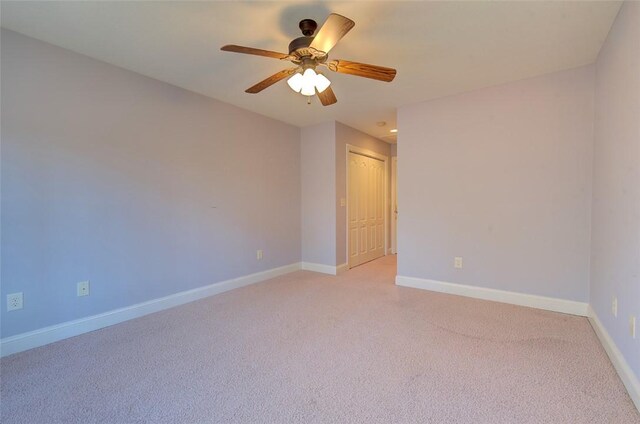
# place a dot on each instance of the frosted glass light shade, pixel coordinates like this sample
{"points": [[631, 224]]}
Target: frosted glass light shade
{"points": [[322, 83], [295, 82], [308, 83]]}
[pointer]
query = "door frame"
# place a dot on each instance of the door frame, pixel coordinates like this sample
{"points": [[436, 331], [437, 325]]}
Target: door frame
{"points": [[369, 153], [394, 207]]}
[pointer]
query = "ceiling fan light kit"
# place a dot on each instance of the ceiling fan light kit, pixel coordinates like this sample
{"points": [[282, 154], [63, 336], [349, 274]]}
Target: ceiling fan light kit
{"points": [[308, 82], [307, 53]]}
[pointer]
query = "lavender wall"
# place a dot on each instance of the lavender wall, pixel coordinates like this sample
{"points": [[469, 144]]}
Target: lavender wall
{"points": [[142, 188], [318, 176], [347, 135], [502, 177], [615, 252]]}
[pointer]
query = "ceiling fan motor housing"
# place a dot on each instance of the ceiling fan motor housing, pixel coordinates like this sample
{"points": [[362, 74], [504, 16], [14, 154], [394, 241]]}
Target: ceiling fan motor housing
{"points": [[300, 43]]}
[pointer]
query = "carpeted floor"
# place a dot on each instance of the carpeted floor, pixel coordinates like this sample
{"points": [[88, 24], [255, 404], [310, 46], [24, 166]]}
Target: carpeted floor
{"points": [[311, 348]]}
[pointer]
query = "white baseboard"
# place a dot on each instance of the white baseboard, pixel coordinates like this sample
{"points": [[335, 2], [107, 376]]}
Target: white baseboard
{"points": [[54, 333], [324, 269], [342, 268], [530, 300], [625, 372]]}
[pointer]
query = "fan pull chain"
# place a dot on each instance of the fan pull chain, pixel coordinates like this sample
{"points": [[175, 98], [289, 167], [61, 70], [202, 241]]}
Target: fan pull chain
{"points": [[308, 100]]}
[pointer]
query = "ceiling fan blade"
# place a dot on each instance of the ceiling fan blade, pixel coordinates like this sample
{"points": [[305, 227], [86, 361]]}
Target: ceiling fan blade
{"points": [[270, 81], [249, 50], [362, 70], [333, 29], [327, 97]]}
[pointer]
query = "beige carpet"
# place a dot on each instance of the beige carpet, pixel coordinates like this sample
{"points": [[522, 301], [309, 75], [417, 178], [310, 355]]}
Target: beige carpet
{"points": [[310, 348]]}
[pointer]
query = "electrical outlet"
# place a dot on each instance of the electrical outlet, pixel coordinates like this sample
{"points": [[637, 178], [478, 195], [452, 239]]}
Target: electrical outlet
{"points": [[457, 262], [259, 255], [614, 306], [632, 326], [14, 301], [83, 288], [343, 201]]}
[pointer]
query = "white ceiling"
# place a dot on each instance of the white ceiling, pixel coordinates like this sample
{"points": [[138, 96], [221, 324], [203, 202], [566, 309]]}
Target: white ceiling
{"points": [[438, 48]]}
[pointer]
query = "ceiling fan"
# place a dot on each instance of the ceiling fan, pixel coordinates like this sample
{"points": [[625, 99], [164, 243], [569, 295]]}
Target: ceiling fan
{"points": [[307, 53]]}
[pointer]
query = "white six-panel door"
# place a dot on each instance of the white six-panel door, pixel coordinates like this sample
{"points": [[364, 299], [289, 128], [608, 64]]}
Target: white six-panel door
{"points": [[366, 212]]}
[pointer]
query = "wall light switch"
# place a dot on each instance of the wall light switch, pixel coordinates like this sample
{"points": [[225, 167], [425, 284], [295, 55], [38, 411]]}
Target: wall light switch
{"points": [[614, 306], [457, 262], [83, 288], [632, 326], [14, 301], [259, 254]]}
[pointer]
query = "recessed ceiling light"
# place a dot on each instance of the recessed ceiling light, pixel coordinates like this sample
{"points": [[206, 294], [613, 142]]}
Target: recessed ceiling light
{"points": [[393, 130]]}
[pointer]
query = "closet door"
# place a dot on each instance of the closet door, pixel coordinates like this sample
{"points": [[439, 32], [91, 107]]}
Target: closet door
{"points": [[366, 209]]}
